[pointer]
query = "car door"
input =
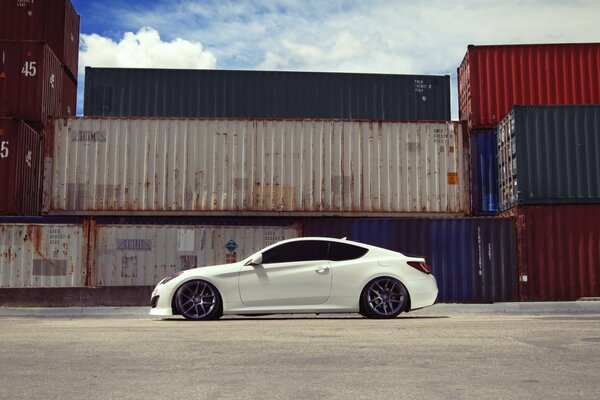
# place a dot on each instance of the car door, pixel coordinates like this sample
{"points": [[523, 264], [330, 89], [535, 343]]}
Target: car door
{"points": [[291, 274]]}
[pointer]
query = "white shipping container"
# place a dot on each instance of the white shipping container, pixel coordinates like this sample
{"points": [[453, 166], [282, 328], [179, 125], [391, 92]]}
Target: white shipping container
{"points": [[42, 255], [262, 167], [141, 255]]}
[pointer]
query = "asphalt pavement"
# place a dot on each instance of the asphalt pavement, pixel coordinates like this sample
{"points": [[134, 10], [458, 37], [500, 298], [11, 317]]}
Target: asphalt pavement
{"points": [[503, 351], [587, 306]]}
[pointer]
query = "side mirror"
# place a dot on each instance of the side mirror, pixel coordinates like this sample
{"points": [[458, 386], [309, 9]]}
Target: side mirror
{"points": [[255, 260]]}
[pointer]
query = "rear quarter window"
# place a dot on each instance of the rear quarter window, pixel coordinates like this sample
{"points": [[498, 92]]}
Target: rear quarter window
{"points": [[344, 251]]}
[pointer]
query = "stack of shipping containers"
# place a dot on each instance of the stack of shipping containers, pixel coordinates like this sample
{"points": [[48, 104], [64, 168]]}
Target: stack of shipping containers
{"points": [[318, 153], [173, 169], [39, 46], [533, 118], [39, 43], [176, 169]]}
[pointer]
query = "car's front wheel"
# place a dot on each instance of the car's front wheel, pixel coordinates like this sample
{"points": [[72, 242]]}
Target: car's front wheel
{"points": [[383, 298], [198, 300]]}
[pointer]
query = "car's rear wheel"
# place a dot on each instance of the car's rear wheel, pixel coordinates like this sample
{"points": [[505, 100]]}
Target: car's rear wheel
{"points": [[198, 300], [383, 297]]}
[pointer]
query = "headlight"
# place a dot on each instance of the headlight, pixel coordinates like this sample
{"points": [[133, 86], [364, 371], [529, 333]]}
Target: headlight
{"points": [[170, 277]]}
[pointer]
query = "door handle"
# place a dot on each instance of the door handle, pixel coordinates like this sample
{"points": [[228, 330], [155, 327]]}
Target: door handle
{"points": [[322, 270]]}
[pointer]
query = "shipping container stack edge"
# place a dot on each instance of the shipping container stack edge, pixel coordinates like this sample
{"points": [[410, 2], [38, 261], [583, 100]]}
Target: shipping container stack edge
{"points": [[548, 158], [39, 42], [546, 169]]}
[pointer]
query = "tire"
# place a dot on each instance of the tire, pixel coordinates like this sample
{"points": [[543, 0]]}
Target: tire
{"points": [[198, 300], [383, 297]]}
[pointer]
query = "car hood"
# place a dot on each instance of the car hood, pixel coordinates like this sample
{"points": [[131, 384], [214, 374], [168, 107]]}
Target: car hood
{"points": [[213, 270]]}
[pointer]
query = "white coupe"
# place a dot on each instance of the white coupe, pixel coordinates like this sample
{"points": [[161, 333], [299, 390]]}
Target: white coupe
{"points": [[302, 275]]}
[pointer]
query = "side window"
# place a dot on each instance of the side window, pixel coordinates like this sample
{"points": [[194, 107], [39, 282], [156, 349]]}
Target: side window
{"points": [[306, 250], [344, 251]]}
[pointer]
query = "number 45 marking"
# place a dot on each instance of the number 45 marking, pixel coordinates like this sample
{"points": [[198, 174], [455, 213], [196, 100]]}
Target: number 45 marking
{"points": [[29, 68], [4, 149]]}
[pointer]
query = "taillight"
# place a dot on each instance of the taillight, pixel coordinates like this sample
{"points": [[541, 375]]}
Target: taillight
{"points": [[421, 266]]}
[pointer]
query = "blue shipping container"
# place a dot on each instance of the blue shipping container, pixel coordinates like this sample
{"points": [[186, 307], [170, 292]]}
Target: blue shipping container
{"points": [[484, 173], [473, 259]]}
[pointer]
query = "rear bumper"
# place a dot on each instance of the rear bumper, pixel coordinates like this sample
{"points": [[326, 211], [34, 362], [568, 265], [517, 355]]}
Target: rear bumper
{"points": [[423, 292]]}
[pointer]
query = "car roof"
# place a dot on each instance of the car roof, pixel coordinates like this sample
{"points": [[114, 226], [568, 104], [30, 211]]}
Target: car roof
{"points": [[332, 239], [329, 239], [381, 251]]}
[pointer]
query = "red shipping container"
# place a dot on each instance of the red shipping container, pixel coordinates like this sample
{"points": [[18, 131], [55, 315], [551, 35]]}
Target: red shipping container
{"points": [[491, 79], [21, 155], [68, 99], [52, 21], [558, 251], [31, 79]]}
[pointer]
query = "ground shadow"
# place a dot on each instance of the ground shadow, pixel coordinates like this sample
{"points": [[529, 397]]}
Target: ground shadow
{"points": [[242, 318]]}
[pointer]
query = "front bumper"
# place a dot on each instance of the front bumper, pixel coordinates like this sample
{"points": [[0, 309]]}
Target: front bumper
{"points": [[161, 301]]}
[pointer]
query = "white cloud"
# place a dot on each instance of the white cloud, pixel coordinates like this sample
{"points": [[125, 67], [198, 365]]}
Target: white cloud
{"points": [[342, 47], [143, 49]]}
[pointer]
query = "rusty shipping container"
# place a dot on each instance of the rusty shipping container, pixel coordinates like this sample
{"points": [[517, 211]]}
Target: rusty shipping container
{"points": [[31, 81], [549, 155], [205, 166], [558, 251], [42, 252], [54, 22], [491, 79], [21, 157], [140, 252], [472, 259], [126, 92]]}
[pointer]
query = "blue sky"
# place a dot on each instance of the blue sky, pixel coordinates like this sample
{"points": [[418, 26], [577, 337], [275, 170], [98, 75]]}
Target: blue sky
{"points": [[378, 36]]}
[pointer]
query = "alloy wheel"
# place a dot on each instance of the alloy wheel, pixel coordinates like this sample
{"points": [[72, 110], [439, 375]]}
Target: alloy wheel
{"points": [[385, 297], [197, 300]]}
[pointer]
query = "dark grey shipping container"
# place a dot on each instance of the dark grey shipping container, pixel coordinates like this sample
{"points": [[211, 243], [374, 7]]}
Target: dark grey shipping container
{"points": [[472, 259], [265, 94], [549, 155]]}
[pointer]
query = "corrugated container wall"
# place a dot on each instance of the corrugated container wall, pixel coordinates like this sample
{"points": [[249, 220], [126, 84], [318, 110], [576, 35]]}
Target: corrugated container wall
{"points": [[316, 167], [52, 21], [42, 252], [549, 155], [491, 79], [68, 100], [31, 79], [122, 92], [484, 173], [473, 259], [130, 253], [21, 157], [559, 251]]}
